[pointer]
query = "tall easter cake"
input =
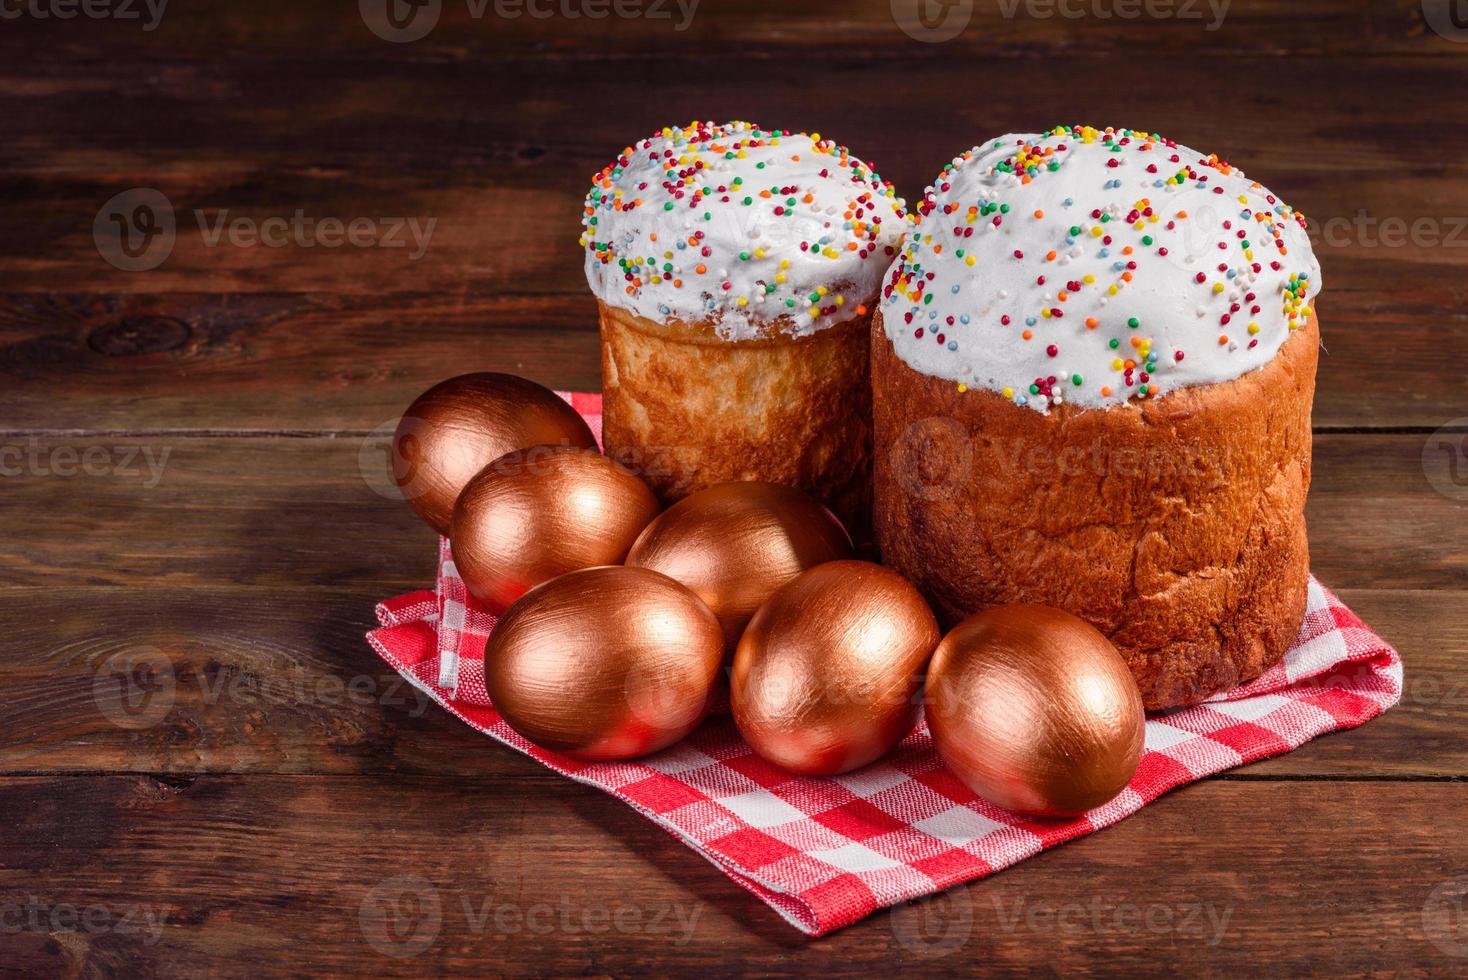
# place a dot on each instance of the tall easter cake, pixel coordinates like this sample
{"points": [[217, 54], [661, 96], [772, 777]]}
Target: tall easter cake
{"points": [[735, 270], [1093, 368]]}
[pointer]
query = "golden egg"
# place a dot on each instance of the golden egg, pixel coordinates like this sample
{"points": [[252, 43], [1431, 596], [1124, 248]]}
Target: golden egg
{"points": [[604, 663], [734, 544], [1035, 710], [540, 512], [826, 675], [458, 427]]}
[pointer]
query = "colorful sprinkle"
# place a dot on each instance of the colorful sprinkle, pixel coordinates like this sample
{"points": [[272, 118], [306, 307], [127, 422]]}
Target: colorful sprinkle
{"points": [[1128, 211]]}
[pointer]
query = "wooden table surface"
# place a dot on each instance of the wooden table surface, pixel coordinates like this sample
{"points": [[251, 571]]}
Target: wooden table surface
{"points": [[193, 460]]}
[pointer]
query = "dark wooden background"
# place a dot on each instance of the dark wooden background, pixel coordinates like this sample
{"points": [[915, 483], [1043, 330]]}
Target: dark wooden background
{"points": [[262, 814]]}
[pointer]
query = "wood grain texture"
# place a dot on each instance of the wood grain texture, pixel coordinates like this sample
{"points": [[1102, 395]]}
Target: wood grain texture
{"points": [[280, 105], [504, 171], [257, 680], [645, 28], [189, 510], [244, 876], [311, 337], [251, 815], [318, 362]]}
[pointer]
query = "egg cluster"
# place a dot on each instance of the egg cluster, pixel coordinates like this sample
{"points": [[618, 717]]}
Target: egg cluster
{"points": [[741, 226], [1096, 267]]}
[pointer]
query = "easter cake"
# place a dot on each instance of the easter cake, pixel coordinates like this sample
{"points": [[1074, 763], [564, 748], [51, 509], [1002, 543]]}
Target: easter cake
{"points": [[735, 270], [1093, 367]]}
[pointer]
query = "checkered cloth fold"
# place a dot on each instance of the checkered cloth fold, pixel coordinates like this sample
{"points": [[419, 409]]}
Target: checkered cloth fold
{"points": [[825, 853]]}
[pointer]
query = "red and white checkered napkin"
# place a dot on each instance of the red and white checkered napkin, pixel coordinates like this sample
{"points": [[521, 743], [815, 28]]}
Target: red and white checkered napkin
{"points": [[827, 852]]}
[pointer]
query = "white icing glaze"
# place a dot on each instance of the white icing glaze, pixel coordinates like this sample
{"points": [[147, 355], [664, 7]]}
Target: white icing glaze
{"points": [[748, 229], [1086, 239]]}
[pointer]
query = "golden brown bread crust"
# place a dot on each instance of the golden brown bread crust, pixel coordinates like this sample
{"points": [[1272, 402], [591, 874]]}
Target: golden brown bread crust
{"points": [[1178, 529], [688, 410]]}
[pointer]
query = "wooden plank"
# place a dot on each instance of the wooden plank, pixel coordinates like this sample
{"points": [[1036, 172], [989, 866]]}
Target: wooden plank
{"points": [[1430, 630], [508, 228], [318, 362], [288, 762], [246, 680], [239, 876], [643, 28], [267, 680], [151, 560], [506, 204], [312, 362], [314, 135], [1375, 522], [178, 511], [175, 511]]}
